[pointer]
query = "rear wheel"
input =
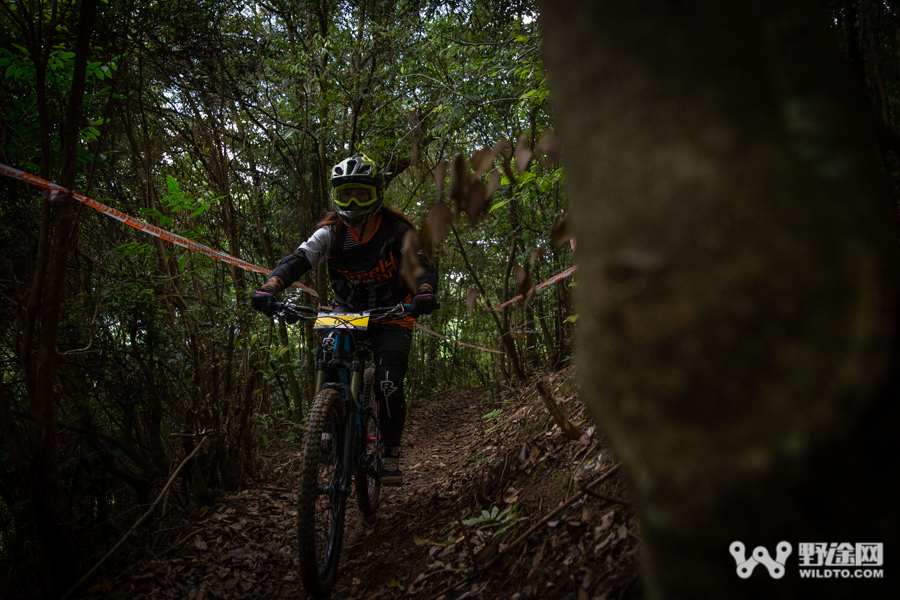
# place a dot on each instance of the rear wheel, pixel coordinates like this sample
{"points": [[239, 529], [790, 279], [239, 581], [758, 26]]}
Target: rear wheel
{"points": [[368, 485], [321, 504]]}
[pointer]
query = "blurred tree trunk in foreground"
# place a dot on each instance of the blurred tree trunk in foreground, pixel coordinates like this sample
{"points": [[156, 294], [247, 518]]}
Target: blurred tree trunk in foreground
{"points": [[738, 283]]}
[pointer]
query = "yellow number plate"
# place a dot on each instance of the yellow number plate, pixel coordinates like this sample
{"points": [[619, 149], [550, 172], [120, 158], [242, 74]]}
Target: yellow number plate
{"points": [[345, 321]]}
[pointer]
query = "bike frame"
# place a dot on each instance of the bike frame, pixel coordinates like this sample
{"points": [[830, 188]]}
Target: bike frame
{"points": [[345, 359]]}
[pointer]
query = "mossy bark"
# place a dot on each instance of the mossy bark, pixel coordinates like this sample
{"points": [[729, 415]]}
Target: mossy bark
{"points": [[737, 272]]}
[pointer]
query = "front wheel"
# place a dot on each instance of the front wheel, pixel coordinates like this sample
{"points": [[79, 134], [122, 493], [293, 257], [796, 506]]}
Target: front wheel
{"points": [[321, 503], [368, 472]]}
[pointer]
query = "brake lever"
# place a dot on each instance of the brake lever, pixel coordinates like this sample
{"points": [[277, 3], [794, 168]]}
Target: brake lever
{"points": [[283, 310], [410, 310]]}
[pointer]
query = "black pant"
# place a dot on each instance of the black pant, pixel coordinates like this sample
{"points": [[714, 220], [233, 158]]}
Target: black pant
{"points": [[390, 344]]}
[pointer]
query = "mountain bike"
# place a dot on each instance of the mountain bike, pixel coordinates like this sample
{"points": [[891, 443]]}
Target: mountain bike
{"points": [[342, 445]]}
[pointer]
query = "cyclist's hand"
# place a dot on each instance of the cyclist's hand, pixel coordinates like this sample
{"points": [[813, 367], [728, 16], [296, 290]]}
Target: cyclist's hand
{"points": [[424, 302], [263, 300]]}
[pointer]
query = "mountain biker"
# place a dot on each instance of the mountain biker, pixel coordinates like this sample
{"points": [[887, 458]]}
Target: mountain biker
{"points": [[362, 241]]}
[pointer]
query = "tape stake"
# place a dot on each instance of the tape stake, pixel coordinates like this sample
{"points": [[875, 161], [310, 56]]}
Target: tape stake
{"points": [[153, 230]]}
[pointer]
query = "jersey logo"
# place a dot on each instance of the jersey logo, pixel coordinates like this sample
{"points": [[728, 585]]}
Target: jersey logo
{"points": [[382, 272]]}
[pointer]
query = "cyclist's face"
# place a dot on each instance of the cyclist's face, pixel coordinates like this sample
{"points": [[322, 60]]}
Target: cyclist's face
{"points": [[355, 196]]}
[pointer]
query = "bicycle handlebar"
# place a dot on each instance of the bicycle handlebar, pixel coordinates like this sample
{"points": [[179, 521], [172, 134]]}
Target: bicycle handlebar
{"points": [[291, 312]]}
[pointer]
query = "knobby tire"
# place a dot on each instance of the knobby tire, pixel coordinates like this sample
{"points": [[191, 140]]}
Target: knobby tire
{"points": [[320, 504], [368, 488]]}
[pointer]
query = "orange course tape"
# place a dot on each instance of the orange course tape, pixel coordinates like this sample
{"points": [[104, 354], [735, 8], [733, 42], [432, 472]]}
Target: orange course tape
{"points": [[443, 337], [178, 240], [153, 230], [537, 288]]}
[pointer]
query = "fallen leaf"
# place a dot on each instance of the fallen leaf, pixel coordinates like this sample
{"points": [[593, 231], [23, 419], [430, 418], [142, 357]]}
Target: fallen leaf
{"points": [[426, 238], [605, 523], [587, 515], [471, 300], [547, 150], [538, 557], [410, 268], [524, 280], [523, 155], [474, 200], [419, 541], [439, 218], [487, 553], [440, 172], [458, 178], [493, 184], [560, 233], [230, 584], [199, 543], [467, 192], [240, 553], [482, 160]]}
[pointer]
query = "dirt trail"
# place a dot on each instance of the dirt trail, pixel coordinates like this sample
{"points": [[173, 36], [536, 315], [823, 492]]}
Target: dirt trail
{"points": [[455, 463], [434, 462]]}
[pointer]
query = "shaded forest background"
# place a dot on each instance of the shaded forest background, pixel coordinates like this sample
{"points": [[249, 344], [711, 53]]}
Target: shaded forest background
{"points": [[220, 121]]}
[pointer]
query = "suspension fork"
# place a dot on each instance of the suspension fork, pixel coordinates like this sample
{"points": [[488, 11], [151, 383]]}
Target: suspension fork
{"points": [[341, 355]]}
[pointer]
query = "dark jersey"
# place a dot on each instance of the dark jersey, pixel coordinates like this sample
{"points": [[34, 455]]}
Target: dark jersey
{"points": [[364, 273]]}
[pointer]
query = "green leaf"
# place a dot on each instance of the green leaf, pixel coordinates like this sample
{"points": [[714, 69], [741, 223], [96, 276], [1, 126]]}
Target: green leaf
{"points": [[571, 319], [396, 584], [499, 205], [172, 184]]}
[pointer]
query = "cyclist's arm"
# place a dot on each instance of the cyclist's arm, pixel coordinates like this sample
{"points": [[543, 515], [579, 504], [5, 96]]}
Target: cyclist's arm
{"points": [[308, 256]]}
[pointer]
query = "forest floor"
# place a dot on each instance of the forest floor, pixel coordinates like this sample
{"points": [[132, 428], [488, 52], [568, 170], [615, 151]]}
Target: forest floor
{"points": [[479, 473]]}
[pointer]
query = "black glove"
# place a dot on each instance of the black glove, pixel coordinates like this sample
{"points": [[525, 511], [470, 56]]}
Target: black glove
{"points": [[263, 300], [424, 303]]}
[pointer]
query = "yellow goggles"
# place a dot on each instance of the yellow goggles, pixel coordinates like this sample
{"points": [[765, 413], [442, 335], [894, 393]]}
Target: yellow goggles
{"points": [[361, 194]]}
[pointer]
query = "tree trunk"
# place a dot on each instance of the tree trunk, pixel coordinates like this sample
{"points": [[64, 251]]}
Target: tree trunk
{"points": [[47, 503], [737, 283]]}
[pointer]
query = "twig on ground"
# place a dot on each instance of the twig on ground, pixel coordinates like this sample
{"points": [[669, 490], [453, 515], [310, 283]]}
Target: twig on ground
{"points": [[139, 521], [585, 488], [465, 533], [527, 535], [178, 544], [573, 432]]}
